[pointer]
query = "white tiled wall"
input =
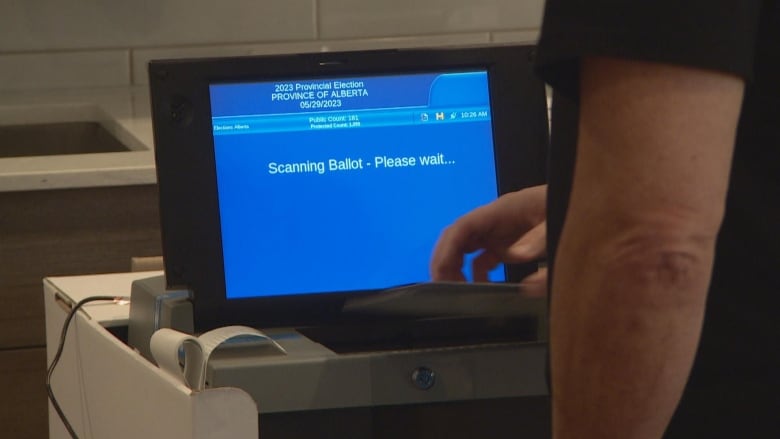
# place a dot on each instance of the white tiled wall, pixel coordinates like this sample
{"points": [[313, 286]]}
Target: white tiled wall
{"points": [[83, 43], [360, 18]]}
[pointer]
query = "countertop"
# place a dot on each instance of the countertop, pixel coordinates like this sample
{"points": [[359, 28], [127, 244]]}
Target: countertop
{"points": [[124, 112]]}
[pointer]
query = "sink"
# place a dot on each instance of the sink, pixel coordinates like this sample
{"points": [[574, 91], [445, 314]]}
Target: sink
{"points": [[56, 139], [61, 130]]}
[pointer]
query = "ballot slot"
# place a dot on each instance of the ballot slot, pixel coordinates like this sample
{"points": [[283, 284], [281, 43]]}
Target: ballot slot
{"points": [[435, 315], [394, 333]]}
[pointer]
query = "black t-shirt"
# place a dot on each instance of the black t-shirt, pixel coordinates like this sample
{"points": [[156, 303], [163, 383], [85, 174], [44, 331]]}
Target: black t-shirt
{"points": [[734, 389]]}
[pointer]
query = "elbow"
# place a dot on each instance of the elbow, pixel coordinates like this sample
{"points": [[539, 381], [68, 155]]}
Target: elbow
{"points": [[674, 265]]}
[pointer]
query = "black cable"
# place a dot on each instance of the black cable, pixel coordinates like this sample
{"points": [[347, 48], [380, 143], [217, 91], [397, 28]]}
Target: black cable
{"points": [[57, 356]]}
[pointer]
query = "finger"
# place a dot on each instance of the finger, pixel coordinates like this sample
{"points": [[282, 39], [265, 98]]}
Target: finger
{"points": [[531, 246], [447, 257], [457, 240], [482, 264], [535, 284]]}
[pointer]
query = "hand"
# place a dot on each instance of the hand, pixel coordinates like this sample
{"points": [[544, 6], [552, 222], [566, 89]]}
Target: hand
{"points": [[511, 229]]}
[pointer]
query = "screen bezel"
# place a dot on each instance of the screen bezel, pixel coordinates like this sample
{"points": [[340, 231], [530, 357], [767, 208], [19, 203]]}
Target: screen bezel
{"points": [[186, 168]]}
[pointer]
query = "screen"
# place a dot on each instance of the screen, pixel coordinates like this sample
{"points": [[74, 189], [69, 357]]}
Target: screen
{"points": [[344, 184]]}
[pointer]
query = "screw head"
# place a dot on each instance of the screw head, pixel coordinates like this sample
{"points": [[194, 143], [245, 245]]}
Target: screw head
{"points": [[423, 378]]}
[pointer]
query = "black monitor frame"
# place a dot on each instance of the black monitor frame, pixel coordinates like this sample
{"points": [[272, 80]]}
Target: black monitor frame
{"points": [[186, 170]]}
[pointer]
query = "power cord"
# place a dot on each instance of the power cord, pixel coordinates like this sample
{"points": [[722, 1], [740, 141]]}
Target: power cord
{"points": [[57, 356]]}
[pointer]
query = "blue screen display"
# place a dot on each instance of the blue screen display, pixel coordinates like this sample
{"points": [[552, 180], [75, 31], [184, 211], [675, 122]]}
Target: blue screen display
{"points": [[344, 184]]}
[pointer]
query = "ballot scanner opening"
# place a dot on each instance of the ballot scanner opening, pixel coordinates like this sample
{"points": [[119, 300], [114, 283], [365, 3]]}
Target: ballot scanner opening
{"points": [[434, 315], [393, 333]]}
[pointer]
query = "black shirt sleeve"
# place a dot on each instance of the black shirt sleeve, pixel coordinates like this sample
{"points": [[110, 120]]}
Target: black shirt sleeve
{"points": [[710, 34]]}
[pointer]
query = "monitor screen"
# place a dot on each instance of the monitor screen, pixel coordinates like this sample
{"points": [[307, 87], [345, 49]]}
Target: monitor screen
{"points": [[292, 183], [342, 184]]}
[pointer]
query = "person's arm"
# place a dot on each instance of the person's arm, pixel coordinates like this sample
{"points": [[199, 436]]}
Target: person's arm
{"points": [[635, 256]]}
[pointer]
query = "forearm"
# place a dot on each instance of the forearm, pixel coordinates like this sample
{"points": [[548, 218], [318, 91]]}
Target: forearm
{"points": [[634, 260], [627, 313]]}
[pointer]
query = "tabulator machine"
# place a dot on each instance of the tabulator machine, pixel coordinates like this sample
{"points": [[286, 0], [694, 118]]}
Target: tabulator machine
{"points": [[297, 190]]}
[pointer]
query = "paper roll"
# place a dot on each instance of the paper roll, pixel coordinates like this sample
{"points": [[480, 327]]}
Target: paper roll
{"points": [[166, 345]]}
